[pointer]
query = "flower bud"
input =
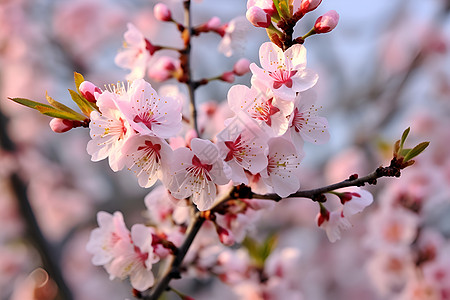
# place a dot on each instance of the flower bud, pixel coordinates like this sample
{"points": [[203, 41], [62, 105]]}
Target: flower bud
{"points": [[241, 67], [327, 22], [228, 77], [309, 5], [267, 5], [213, 23], [88, 90], [61, 125], [225, 236], [163, 68], [162, 12], [258, 17]]}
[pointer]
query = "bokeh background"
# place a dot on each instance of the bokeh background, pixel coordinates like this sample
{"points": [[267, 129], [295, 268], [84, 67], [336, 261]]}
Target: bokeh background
{"points": [[383, 69]]}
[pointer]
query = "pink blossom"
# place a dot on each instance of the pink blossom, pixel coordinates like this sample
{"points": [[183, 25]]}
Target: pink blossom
{"points": [[234, 36], [162, 12], [164, 68], [252, 104], [284, 73], [232, 265], [327, 22], [134, 258], [89, 91], [61, 125], [305, 124], [333, 224], [267, 5], [241, 67], [258, 17], [242, 147], [109, 130], [147, 112], [136, 54], [337, 221], [197, 172], [390, 270], [148, 157], [392, 227], [309, 5], [283, 169], [357, 201], [104, 239], [165, 210]]}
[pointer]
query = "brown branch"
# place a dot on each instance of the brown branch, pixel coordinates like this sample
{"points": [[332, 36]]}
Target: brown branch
{"points": [[393, 170]]}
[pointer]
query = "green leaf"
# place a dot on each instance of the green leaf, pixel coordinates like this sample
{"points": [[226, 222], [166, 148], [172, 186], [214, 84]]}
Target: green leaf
{"points": [[404, 136], [78, 80], [260, 252], [63, 108], [277, 6], [416, 151], [82, 103], [29, 103], [53, 112], [404, 152], [49, 110], [284, 8]]}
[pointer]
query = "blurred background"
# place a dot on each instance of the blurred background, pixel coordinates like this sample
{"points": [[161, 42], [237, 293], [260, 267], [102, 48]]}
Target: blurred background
{"points": [[383, 69]]}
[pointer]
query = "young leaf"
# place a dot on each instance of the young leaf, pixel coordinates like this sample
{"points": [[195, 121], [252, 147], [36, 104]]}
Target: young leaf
{"points": [[29, 103], [416, 151], [404, 136], [53, 112], [82, 103], [62, 107], [49, 110], [78, 80]]}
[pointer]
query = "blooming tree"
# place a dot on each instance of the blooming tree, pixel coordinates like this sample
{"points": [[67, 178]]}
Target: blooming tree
{"points": [[207, 192]]}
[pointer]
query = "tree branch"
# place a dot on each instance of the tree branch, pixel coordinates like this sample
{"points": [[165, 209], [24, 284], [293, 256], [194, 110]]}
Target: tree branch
{"points": [[393, 170]]}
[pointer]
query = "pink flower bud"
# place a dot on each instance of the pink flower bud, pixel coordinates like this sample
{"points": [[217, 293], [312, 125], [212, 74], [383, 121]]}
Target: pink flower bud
{"points": [[267, 5], [163, 68], [61, 125], [258, 17], [213, 23], [225, 236], [88, 90], [309, 5], [228, 77], [241, 67], [327, 22], [162, 12]]}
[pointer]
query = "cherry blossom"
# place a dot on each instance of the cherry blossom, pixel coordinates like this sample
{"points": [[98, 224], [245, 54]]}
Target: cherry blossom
{"points": [[147, 112], [148, 157], [242, 147], [165, 210], [105, 238], [253, 104], [109, 130], [134, 258], [305, 124], [234, 36], [327, 22], [354, 201], [136, 54], [333, 223], [282, 172], [284, 73], [197, 172]]}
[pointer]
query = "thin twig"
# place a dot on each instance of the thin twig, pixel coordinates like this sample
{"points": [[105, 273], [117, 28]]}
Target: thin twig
{"points": [[186, 62], [393, 170]]}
